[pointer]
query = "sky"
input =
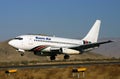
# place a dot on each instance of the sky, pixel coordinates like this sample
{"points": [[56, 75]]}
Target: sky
{"points": [[63, 18]]}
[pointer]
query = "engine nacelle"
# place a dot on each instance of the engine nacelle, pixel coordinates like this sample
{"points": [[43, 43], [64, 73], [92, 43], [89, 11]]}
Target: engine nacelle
{"points": [[61, 50], [49, 49], [69, 51]]}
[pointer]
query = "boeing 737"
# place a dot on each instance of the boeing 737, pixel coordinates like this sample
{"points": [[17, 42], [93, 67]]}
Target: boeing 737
{"points": [[52, 46]]}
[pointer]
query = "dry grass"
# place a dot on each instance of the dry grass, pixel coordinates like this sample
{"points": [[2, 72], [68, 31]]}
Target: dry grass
{"points": [[93, 72]]}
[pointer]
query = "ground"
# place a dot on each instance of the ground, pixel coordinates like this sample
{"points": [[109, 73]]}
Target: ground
{"points": [[92, 72]]}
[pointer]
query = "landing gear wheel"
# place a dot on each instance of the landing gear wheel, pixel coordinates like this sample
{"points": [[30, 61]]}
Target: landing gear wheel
{"points": [[52, 57], [66, 56], [35, 53], [22, 54]]}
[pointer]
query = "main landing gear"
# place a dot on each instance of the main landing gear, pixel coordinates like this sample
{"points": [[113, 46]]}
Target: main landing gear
{"points": [[53, 57], [66, 56]]}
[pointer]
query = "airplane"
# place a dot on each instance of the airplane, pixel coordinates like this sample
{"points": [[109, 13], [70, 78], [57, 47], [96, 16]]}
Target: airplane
{"points": [[52, 46]]}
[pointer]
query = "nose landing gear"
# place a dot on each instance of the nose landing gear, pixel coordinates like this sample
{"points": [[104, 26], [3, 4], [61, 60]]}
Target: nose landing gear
{"points": [[22, 54]]}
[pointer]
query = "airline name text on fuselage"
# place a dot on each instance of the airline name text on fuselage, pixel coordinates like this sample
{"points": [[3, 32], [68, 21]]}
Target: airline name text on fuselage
{"points": [[42, 38]]}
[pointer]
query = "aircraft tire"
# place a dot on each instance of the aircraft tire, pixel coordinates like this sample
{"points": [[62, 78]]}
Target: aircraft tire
{"points": [[66, 56], [52, 57], [22, 54]]}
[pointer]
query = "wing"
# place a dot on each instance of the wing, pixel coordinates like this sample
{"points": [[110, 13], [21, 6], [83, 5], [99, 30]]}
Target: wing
{"points": [[90, 46]]}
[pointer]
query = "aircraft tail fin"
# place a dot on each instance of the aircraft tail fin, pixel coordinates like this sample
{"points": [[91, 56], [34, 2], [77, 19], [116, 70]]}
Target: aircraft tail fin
{"points": [[92, 35]]}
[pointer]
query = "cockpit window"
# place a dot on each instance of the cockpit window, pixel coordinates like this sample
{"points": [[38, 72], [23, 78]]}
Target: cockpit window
{"points": [[18, 38]]}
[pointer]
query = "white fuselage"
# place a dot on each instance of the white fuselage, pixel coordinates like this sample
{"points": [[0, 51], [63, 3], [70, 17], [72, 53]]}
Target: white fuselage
{"points": [[28, 42]]}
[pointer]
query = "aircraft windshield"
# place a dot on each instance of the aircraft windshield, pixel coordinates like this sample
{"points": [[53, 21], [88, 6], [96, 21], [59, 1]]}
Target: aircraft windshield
{"points": [[18, 38]]}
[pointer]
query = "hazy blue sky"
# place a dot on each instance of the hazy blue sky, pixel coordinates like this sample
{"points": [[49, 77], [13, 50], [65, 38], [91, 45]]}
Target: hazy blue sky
{"points": [[64, 18]]}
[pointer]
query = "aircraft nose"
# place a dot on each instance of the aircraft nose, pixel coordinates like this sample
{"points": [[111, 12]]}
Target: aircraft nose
{"points": [[11, 43]]}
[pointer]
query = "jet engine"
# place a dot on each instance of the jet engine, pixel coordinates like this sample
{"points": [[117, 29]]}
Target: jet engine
{"points": [[61, 50], [69, 51]]}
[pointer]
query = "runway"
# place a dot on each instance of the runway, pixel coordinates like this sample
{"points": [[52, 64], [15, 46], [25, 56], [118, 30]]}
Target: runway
{"points": [[56, 65]]}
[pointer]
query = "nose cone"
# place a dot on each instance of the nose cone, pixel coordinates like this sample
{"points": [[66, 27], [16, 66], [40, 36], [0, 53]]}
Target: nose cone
{"points": [[11, 43]]}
